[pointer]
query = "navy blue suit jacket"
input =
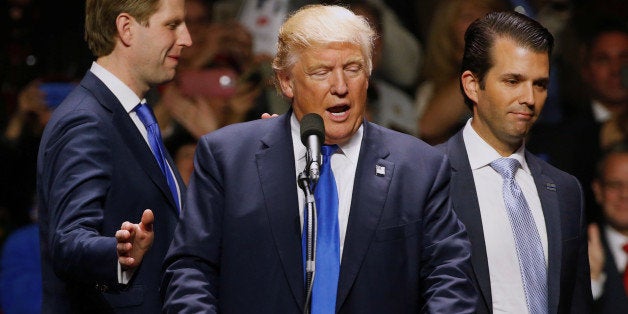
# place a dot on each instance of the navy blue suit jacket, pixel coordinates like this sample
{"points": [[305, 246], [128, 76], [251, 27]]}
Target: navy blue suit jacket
{"points": [[237, 248], [569, 281], [96, 171]]}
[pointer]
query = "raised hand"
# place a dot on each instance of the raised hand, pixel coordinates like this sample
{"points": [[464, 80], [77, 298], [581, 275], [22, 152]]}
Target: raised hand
{"points": [[134, 240], [596, 252]]}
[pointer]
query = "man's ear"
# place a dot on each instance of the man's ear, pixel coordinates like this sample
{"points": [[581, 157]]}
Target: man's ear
{"points": [[471, 85], [286, 84], [124, 25]]}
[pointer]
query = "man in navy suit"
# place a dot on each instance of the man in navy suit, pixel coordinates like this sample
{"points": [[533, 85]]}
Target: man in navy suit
{"points": [[504, 80], [237, 248], [608, 241], [96, 170]]}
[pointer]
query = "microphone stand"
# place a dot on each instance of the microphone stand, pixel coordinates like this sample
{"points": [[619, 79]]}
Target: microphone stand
{"points": [[310, 229]]}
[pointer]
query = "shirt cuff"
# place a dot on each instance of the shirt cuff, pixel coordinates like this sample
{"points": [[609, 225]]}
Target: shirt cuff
{"points": [[597, 286], [124, 276]]}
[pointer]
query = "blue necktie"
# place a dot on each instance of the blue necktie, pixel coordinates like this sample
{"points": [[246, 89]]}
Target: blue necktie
{"points": [[327, 238], [157, 146], [527, 239]]}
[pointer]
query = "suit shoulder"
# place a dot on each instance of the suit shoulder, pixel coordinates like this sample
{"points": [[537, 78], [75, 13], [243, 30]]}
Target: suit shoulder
{"points": [[243, 132], [405, 144], [550, 170]]}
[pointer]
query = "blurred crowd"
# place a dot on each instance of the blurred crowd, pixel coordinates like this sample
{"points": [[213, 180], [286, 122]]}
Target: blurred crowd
{"points": [[225, 77]]}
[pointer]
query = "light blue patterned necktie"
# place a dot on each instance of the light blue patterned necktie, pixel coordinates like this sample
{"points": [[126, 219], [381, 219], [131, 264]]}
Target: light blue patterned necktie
{"points": [[328, 238], [157, 146], [527, 239]]}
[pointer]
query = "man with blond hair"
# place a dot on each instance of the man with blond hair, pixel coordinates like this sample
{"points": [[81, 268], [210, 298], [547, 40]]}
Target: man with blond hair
{"points": [[388, 242]]}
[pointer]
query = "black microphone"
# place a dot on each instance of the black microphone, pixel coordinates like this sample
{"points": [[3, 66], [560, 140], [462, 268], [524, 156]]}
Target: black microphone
{"points": [[313, 136]]}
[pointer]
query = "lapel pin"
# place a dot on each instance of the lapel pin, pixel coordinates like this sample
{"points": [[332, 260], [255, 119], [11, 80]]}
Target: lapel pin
{"points": [[550, 186], [380, 170]]}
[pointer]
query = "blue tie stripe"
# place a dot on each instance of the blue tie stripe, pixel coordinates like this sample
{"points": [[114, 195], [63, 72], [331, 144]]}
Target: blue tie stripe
{"points": [[157, 146], [327, 238], [527, 239]]}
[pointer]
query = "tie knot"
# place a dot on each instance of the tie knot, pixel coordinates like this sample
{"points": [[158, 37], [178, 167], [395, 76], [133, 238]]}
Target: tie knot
{"points": [[145, 114], [327, 150], [506, 167], [625, 248]]}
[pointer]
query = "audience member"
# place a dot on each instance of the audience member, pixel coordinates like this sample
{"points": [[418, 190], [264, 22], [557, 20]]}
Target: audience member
{"points": [[440, 106], [20, 270], [525, 218], [102, 163], [20, 142], [392, 243], [608, 240], [599, 119], [605, 57]]}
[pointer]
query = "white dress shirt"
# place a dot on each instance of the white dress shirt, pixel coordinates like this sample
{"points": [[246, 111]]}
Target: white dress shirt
{"points": [[505, 276], [129, 101], [343, 163]]}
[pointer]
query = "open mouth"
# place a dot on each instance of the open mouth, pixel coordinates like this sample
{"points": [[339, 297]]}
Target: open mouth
{"points": [[338, 110]]}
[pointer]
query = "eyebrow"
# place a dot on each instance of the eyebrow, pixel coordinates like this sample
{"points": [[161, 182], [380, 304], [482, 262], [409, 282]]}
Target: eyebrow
{"points": [[355, 60], [521, 77]]}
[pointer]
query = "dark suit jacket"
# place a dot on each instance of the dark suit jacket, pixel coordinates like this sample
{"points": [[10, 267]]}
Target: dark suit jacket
{"points": [[569, 282], [237, 248], [95, 171], [577, 154], [613, 299]]}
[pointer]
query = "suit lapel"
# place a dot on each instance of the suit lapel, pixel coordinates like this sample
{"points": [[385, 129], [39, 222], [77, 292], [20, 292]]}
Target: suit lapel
{"points": [[465, 202], [367, 203], [131, 136], [275, 165], [547, 189]]}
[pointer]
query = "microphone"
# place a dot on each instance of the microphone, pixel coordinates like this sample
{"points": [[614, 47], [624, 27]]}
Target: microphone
{"points": [[313, 136]]}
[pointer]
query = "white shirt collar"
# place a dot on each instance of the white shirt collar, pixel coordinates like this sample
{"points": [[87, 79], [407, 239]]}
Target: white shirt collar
{"points": [[481, 154], [123, 93], [615, 238], [616, 241], [351, 148]]}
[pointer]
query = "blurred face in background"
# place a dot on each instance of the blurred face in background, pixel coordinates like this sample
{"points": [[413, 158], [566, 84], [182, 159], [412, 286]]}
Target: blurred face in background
{"points": [[611, 191], [602, 72]]}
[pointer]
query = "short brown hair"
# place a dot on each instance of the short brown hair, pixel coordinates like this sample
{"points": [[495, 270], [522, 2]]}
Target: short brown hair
{"points": [[100, 20], [481, 35]]}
